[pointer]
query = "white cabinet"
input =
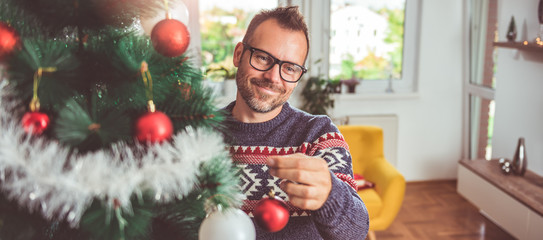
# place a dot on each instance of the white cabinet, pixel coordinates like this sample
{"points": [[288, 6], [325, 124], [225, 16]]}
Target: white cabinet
{"points": [[510, 212]]}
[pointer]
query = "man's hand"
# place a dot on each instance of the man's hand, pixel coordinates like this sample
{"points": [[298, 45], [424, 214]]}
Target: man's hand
{"points": [[310, 182]]}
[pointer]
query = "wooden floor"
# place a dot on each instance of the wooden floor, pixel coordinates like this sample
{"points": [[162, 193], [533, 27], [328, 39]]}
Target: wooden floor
{"points": [[434, 210]]}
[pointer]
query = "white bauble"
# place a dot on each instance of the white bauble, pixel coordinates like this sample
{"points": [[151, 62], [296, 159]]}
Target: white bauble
{"points": [[232, 224], [178, 11]]}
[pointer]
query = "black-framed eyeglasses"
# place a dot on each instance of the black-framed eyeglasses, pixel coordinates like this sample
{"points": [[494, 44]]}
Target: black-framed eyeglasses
{"points": [[263, 61]]}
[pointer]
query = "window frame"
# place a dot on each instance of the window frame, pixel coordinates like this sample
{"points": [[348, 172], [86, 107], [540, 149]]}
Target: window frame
{"points": [[317, 14]]}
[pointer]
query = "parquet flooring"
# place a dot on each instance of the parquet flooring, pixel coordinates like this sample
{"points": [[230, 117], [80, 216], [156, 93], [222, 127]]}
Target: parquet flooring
{"points": [[435, 211]]}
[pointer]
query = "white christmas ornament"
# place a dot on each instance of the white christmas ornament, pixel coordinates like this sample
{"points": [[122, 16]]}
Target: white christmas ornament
{"points": [[178, 11], [232, 224]]}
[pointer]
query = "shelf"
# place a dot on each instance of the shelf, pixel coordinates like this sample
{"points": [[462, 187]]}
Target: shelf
{"points": [[520, 46], [527, 189]]}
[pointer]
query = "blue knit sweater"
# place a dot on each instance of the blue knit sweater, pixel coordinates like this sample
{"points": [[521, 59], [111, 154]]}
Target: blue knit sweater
{"points": [[343, 216]]}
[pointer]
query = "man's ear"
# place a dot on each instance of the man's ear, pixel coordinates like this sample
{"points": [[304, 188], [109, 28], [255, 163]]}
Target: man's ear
{"points": [[238, 51]]}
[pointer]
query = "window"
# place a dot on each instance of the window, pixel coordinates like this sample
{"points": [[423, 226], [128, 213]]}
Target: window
{"points": [[222, 26], [376, 41], [371, 44]]}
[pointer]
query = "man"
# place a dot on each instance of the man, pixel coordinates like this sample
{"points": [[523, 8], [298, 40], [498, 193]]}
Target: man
{"points": [[301, 157]]}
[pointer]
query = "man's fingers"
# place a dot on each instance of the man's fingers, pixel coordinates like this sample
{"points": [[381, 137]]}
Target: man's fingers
{"points": [[309, 179], [295, 175], [304, 203], [291, 174], [297, 161], [300, 190], [301, 177]]}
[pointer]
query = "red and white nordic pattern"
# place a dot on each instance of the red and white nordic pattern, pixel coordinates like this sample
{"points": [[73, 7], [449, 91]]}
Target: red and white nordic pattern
{"points": [[254, 177]]}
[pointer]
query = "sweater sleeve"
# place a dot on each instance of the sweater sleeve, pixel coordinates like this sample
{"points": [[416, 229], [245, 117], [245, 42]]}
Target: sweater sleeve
{"points": [[343, 215]]}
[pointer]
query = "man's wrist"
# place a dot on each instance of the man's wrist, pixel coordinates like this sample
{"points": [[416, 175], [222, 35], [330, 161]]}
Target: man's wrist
{"points": [[335, 199]]}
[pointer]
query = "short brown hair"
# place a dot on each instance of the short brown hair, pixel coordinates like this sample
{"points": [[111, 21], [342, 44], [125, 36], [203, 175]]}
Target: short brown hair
{"points": [[287, 17]]}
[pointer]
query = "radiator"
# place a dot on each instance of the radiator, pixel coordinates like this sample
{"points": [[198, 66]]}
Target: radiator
{"points": [[389, 124]]}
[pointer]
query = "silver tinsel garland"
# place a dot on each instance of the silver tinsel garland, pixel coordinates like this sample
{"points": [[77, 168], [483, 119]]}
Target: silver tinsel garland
{"points": [[44, 176]]}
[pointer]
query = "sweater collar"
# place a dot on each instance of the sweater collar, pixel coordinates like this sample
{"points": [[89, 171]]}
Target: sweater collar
{"points": [[285, 111]]}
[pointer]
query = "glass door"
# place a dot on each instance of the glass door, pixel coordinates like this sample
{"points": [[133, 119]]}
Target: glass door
{"points": [[480, 84]]}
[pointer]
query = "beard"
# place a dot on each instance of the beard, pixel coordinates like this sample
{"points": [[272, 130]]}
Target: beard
{"points": [[258, 101]]}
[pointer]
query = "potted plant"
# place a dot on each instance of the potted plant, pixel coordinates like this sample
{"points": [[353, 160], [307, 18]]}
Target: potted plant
{"points": [[351, 84], [224, 75], [317, 96], [334, 85]]}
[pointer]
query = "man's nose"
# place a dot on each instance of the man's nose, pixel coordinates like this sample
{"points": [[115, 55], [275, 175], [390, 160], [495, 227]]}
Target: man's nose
{"points": [[273, 74]]}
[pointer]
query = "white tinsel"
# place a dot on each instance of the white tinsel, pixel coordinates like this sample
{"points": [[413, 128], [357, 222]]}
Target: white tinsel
{"points": [[44, 176]]}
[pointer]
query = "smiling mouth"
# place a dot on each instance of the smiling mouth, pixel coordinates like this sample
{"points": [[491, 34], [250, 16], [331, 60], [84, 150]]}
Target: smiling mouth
{"points": [[266, 87], [266, 90]]}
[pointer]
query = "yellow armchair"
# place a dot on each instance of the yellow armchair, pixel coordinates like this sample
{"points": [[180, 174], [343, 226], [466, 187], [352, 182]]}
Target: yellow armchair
{"points": [[385, 199]]}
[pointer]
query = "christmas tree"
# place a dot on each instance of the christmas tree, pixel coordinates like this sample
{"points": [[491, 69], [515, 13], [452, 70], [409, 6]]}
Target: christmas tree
{"points": [[106, 133]]}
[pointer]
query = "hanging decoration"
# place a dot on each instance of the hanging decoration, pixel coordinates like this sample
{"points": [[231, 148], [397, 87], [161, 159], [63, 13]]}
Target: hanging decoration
{"points": [[271, 213], [35, 122], [170, 37], [229, 223], [177, 9], [153, 126], [9, 40]]}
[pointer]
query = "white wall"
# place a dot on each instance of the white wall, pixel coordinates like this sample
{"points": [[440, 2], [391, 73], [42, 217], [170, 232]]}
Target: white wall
{"points": [[430, 124], [519, 87]]}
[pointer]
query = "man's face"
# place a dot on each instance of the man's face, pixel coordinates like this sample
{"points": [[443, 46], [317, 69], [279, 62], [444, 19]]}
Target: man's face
{"points": [[264, 91]]}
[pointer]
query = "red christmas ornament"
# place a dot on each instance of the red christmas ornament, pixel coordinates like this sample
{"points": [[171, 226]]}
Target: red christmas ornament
{"points": [[9, 40], [271, 213], [35, 122], [170, 37], [154, 127]]}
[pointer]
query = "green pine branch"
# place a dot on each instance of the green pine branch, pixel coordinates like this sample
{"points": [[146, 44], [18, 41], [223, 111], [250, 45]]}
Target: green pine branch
{"points": [[57, 79], [103, 222], [91, 130]]}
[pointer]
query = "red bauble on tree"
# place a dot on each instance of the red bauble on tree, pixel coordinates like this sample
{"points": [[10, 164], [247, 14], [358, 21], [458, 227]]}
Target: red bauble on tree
{"points": [[35, 122], [153, 127], [271, 213], [9, 40], [170, 37]]}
